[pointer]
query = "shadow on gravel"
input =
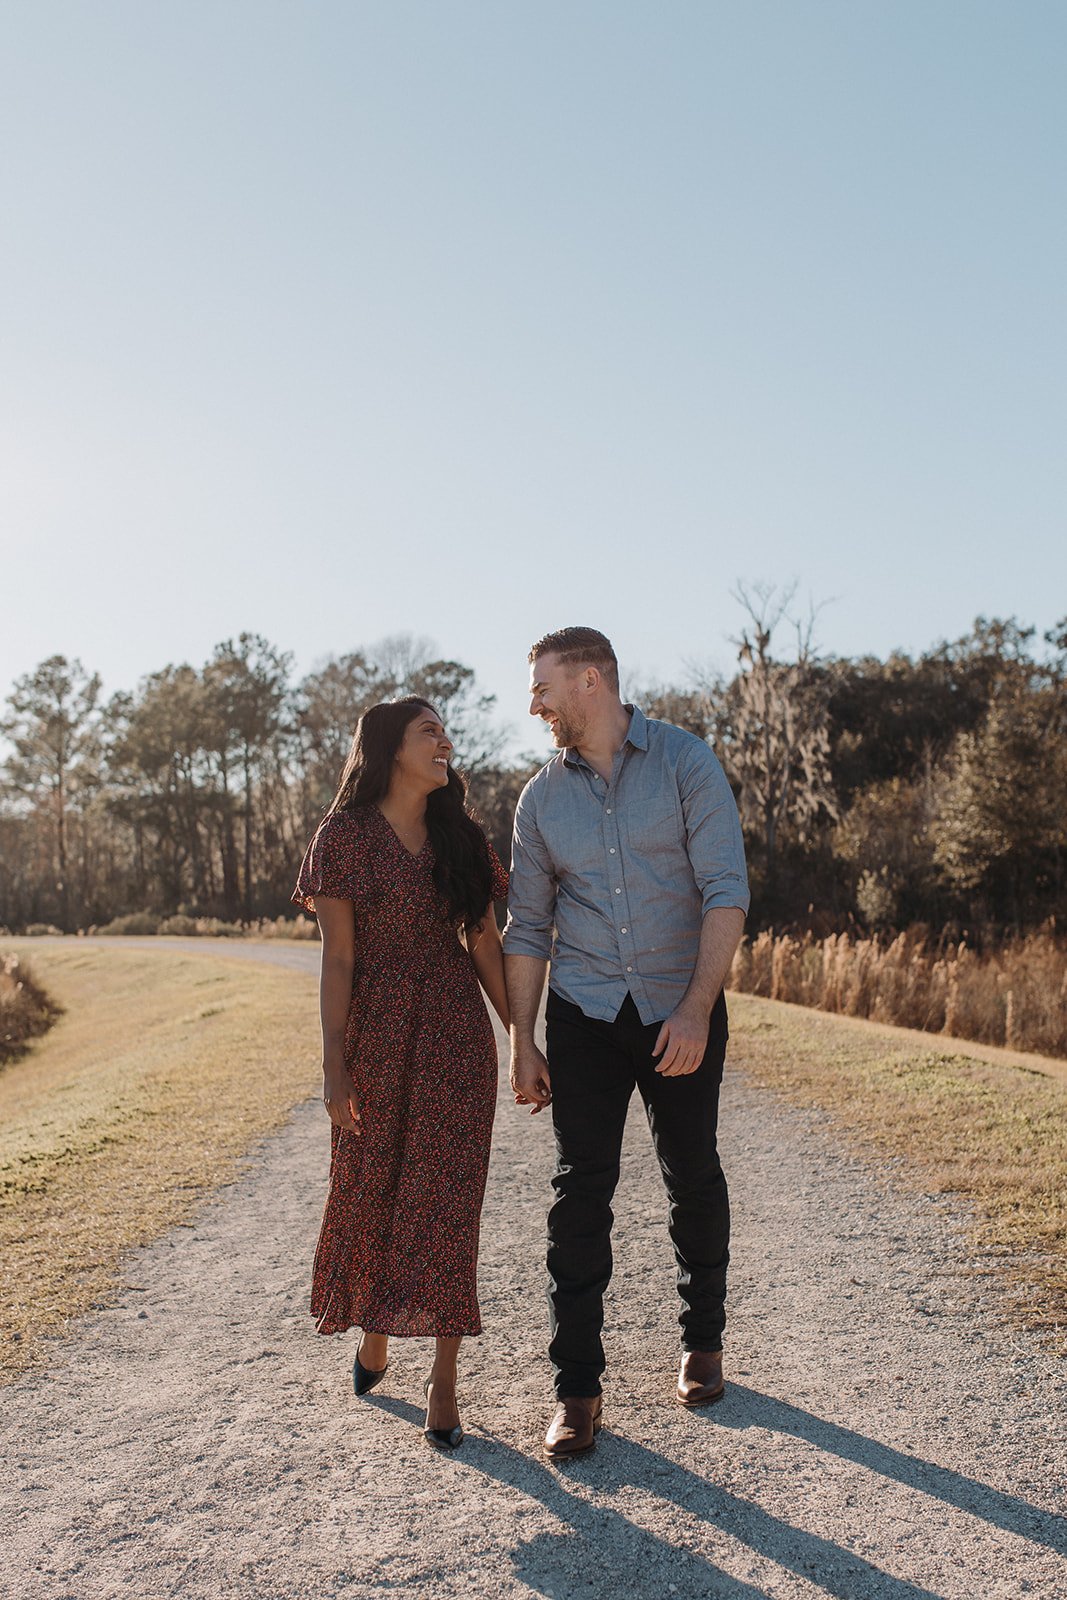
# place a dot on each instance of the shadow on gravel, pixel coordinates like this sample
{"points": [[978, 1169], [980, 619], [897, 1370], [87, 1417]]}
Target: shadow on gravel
{"points": [[607, 1555], [750, 1409]]}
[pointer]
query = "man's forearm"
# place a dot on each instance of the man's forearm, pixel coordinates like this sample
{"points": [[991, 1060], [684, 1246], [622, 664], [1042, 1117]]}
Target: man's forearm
{"points": [[720, 934], [525, 977]]}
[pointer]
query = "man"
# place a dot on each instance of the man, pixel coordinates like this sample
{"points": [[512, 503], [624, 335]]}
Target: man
{"points": [[628, 872]]}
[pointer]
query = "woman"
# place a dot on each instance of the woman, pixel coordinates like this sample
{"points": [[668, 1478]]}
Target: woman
{"points": [[402, 881]]}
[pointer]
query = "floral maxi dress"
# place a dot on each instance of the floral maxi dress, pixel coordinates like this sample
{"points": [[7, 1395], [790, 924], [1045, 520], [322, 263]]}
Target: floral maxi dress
{"points": [[398, 1249]]}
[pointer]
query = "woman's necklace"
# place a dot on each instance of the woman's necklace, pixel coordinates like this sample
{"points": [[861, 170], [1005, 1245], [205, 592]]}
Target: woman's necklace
{"points": [[412, 838]]}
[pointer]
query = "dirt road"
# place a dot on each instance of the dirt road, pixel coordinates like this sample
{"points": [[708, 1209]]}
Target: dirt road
{"points": [[884, 1437]]}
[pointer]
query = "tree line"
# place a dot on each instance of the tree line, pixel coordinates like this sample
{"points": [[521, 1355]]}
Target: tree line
{"points": [[195, 793], [874, 794]]}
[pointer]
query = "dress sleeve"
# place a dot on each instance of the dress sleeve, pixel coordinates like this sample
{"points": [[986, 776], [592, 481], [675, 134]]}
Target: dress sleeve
{"points": [[499, 890], [333, 863]]}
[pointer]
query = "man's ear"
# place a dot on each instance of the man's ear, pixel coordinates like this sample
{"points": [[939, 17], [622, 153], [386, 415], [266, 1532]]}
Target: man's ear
{"points": [[592, 678]]}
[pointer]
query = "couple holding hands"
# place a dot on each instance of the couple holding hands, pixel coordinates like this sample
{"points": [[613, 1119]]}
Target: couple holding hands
{"points": [[628, 889]]}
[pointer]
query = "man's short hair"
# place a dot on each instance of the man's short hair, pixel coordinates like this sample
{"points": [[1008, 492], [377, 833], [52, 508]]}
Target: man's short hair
{"points": [[580, 647]]}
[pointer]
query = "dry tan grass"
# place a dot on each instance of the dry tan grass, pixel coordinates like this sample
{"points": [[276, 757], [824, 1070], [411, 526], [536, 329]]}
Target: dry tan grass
{"points": [[164, 1070], [993, 1134], [1015, 996]]}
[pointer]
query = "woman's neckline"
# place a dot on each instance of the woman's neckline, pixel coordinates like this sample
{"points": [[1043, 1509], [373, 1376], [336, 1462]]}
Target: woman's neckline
{"points": [[413, 855]]}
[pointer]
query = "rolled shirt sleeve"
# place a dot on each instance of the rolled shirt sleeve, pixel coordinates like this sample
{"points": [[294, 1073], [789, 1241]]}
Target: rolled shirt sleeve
{"points": [[533, 885], [714, 841]]}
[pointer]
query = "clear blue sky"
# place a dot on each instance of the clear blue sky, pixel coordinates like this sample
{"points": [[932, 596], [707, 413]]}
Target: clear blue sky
{"points": [[331, 320]]}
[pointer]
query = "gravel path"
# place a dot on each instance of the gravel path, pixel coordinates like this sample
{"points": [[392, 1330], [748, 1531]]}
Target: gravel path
{"points": [[883, 1437]]}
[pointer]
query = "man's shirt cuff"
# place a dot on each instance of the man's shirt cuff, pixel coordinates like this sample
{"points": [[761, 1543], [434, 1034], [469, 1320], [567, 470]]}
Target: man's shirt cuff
{"points": [[725, 893], [527, 942]]}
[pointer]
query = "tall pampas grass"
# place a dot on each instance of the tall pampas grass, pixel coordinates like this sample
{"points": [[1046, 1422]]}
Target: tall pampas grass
{"points": [[1014, 996]]}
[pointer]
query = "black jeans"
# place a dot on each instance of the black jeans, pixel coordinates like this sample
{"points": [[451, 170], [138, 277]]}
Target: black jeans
{"points": [[594, 1066]]}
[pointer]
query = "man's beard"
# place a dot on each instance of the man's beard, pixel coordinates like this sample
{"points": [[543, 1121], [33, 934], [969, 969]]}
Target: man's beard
{"points": [[569, 729]]}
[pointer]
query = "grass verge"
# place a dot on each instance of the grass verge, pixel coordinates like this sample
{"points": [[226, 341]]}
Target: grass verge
{"points": [[163, 1071], [993, 1134]]}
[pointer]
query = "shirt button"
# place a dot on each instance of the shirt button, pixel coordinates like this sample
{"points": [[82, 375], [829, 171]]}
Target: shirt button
{"points": [[618, 891], [629, 969], [609, 811], [611, 852], [623, 931]]}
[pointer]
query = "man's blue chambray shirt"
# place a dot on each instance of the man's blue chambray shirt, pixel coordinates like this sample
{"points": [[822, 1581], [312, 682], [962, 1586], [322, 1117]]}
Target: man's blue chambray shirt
{"points": [[624, 871]]}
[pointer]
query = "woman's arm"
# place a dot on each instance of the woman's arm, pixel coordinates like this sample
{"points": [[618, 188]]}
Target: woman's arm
{"points": [[337, 925], [483, 942]]}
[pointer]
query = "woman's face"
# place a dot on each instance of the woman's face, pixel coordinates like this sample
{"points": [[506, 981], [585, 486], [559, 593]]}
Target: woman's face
{"points": [[422, 759]]}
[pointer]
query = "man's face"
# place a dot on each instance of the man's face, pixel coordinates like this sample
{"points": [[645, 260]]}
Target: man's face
{"points": [[555, 698]]}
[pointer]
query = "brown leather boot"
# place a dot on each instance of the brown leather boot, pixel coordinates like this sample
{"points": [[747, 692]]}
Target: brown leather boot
{"points": [[700, 1378], [574, 1427]]}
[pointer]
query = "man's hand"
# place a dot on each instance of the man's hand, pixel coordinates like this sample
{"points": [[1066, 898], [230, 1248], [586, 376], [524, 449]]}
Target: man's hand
{"points": [[682, 1041], [529, 1078], [339, 1098]]}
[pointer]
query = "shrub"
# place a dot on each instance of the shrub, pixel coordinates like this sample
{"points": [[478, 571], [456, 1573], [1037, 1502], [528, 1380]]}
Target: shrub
{"points": [[183, 926], [298, 927], [136, 923], [26, 1010], [40, 930]]}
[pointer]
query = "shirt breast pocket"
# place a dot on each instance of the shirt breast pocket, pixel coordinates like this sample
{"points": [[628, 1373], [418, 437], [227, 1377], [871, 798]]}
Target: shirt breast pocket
{"points": [[654, 829]]}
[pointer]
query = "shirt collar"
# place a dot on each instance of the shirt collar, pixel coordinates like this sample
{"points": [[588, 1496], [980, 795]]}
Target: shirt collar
{"points": [[636, 735]]}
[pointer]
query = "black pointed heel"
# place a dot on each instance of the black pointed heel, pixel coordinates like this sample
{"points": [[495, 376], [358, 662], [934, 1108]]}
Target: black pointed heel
{"points": [[441, 1438], [363, 1378]]}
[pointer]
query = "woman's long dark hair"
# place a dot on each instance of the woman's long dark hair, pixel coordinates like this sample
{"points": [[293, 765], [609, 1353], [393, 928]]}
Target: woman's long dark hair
{"points": [[461, 867]]}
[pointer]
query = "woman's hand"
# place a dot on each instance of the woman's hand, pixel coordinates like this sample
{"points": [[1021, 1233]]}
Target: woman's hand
{"points": [[339, 1098]]}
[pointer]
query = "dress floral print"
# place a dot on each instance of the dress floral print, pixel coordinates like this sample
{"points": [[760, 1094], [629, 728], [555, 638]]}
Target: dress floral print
{"points": [[398, 1249]]}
